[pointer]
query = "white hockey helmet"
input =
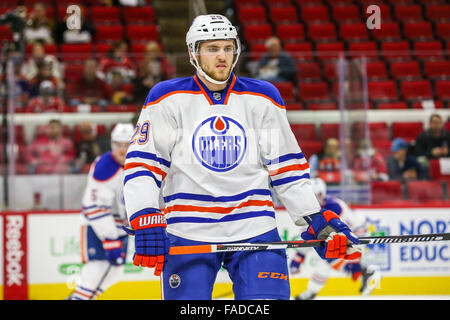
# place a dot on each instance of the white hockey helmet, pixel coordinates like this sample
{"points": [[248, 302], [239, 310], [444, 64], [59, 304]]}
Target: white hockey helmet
{"points": [[122, 132], [210, 27], [319, 187]]}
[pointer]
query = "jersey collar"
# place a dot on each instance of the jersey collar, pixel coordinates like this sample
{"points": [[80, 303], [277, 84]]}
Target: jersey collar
{"points": [[216, 97]]}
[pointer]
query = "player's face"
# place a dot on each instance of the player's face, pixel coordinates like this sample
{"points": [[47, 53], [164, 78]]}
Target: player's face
{"points": [[119, 151], [216, 58]]}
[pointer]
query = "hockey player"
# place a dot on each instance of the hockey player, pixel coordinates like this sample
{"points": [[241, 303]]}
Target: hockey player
{"points": [[103, 241], [212, 143], [368, 275]]}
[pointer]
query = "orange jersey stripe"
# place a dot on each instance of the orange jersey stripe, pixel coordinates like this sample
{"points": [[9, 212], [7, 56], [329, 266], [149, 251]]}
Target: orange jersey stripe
{"points": [[151, 168], [96, 211], [223, 210], [293, 167], [203, 91], [229, 90], [260, 95], [82, 244], [169, 94]]}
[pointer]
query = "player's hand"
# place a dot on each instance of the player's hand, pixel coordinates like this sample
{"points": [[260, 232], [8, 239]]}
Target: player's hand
{"points": [[297, 260], [114, 252], [150, 238], [338, 236]]}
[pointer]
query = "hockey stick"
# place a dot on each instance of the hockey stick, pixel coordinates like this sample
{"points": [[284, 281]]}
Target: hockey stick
{"points": [[230, 247]]}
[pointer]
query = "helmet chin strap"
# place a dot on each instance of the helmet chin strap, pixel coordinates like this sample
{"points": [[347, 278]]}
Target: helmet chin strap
{"points": [[203, 73]]}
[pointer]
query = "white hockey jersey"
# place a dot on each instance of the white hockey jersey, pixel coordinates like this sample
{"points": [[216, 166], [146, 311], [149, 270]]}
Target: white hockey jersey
{"points": [[214, 156], [103, 201]]}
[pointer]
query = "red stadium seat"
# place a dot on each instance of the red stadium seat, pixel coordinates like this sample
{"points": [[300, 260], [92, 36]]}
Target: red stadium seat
{"points": [[313, 91], [425, 104], [142, 33], [283, 14], [346, 13], [443, 30], [257, 33], [257, 50], [382, 90], [389, 31], [379, 131], [304, 131], [408, 12], [322, 106], [105, 15], [73, 71], [294, 106], [366, 48], [437, 12], [322, 32], [247, 3], [252, 15], [437, 69], [286, 90], [406, 130], [386, 191], [428, 49], [76, 52], [353, 31], [139, 15], [420, 191], [442, 88], [418, 30], [383, 147], [376, 70], [278, 3], [105, 33], [395, 50], [5, 33], [329, 50], [385, 10], [329, 70], [329, 130], [308, 71], [314, 14], [310, 147], [416, 89], [436, 172], [300, 51], [405, 69], [392, 105], [290, 32]]}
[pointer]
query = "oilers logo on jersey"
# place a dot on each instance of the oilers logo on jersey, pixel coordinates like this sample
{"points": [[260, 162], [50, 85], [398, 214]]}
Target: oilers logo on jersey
{"points": [[219, 143]]}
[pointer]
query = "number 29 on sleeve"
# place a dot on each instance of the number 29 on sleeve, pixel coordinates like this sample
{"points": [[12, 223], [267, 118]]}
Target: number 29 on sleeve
{"points": [[141, 133]]}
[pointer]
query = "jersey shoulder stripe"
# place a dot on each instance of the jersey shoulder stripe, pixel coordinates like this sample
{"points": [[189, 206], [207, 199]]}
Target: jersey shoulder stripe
{"points": [[106, 167], [167, 88], [258, 87]]}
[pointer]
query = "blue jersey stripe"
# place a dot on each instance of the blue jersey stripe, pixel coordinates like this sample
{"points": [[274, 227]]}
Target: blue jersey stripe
{"points": [[227, 218], [148, 155], [202, 197], [141, 174], [289, 179], [285, 157], [97, 217]]}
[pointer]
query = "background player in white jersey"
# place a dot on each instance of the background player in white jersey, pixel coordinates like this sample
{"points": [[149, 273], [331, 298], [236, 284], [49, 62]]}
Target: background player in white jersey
{"points": [[369, 275], [103, 241], [212, 143]]}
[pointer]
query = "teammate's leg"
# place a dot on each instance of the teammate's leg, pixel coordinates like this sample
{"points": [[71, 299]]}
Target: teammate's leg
{"points": [[316, 281]]}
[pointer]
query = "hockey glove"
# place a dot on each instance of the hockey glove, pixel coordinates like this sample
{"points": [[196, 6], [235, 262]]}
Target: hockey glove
{"points": [[297, 260], [150, 239], [327, 225], [114, 253]]}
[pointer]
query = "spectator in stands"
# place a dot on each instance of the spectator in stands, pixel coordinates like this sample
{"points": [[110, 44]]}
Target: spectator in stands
{"points": [[44, 74], [39, 26], [88, 147], [51, 152], [153, 69], [401, 164], [433, 142], [85, 34], [118, 90], [89, 88], [117, 60], [276, 65], [46, 101], [37, 59], [326, 164], [369, 164], [21, 90]]}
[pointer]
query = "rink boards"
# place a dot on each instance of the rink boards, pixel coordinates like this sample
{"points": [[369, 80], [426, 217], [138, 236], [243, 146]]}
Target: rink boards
{"points": [[41, 257]]}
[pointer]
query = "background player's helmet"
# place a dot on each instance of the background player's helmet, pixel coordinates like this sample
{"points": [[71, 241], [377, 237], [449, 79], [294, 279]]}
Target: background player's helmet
{"points": [[319, 187], [210, 27], [122, 132]]}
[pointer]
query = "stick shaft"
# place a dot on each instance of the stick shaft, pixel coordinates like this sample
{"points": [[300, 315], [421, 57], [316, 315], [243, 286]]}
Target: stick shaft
{"points": [[230, 247]]}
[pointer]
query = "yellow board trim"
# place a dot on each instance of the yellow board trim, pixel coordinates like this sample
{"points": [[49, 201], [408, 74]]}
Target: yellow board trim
{"points": [[150, 290]]}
